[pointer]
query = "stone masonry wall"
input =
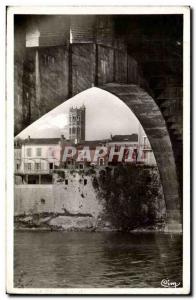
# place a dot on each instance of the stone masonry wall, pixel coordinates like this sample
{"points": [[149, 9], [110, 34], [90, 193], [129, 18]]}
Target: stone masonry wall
{"points": [[108, 198], [75, 197]]}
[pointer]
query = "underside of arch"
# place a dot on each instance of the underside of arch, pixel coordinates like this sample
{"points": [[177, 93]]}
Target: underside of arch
{"points": [[150, 117]]}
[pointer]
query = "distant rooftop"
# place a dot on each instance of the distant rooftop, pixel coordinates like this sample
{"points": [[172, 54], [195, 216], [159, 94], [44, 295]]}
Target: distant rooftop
{"points": [[92, 144], [53, 141], [95, 142], [123, 138], [41, 141]]}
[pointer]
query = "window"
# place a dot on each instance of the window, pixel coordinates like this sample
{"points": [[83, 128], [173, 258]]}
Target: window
{"points": [[51, 152], [17, 166], [66, 181], [37, 166], [145, 142], [85, 181], [51, 166], [29, 152], [101, 161], [117, 148], [74, 130], [29, 166], [81, 167], [38, 152]]}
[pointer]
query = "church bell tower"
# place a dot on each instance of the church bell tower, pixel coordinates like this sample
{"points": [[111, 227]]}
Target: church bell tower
{"points": [[77, 124]]}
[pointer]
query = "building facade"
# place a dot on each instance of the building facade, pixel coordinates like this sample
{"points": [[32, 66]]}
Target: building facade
{"points": [[38, 159], [147, 154]]}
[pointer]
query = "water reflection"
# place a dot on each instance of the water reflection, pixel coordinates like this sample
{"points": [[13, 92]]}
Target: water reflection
{"points": [[81, 259]]}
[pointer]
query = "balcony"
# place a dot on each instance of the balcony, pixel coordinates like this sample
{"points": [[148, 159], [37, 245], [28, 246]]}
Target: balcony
{"points": [[33, 171], [35, 166]]}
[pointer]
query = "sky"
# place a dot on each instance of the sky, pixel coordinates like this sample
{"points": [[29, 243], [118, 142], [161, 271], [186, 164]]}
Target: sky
{"points": [[105, 115]]}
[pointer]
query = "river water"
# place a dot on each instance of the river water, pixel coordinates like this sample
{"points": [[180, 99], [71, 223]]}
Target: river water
{"points": [[96, 260]]}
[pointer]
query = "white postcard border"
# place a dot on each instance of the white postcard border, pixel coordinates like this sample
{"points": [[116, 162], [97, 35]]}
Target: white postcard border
{"points": [[185, 10]]}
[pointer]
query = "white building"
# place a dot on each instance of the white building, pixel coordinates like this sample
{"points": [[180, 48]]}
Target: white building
{"points": [[147, 155], [124, 140], [39, 157]]}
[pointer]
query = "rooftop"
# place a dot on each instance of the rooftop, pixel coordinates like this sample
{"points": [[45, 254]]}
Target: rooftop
{"points": [[41, 141], [123, 138]]}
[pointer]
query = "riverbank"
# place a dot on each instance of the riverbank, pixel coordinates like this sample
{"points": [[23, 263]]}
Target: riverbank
{"points": [[62, 222], [79, 222]]}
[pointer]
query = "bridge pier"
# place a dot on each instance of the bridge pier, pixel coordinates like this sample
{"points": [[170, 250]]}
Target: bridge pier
{"points": [[148, 113], [174, 221]]}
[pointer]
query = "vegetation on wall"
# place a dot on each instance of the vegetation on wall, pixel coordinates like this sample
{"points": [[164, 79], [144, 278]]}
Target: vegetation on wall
{"points": [[133, 196]]}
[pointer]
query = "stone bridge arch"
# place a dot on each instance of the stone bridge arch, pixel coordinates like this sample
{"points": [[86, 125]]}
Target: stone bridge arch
{"points": [[48, 69], [148, 113]]}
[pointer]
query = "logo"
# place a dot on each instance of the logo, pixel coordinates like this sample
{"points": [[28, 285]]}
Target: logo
{"points": [[169, 284]]}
